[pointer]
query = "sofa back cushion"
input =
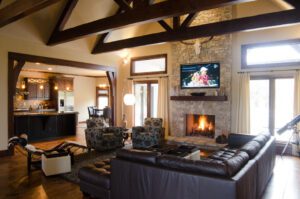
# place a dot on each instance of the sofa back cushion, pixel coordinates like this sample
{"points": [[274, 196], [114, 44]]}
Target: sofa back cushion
{"points": [[261, 139], [206, 166], [142, 156], [235, 163], [227, 168], [251, 148]]}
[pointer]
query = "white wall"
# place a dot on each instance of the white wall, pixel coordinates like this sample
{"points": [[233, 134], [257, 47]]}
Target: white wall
{"points": [[84, 95]]}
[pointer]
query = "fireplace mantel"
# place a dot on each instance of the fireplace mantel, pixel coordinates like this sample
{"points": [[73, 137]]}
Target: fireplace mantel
{"points": [[199, 98]]}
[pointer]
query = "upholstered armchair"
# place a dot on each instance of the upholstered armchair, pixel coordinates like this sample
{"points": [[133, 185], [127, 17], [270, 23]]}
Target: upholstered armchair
{"points": [[103, 139], [152, 133], [97, 122]]}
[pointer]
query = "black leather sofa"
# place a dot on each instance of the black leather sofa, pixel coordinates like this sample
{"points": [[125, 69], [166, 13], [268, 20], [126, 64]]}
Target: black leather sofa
{"points": [[240, 171]]}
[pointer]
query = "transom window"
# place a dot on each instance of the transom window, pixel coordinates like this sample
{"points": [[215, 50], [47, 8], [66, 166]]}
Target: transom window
{"points": [[276, 54], [156, 64]]}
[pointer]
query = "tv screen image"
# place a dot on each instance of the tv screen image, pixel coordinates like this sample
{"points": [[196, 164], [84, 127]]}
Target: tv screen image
{"points": [[205, 75]]}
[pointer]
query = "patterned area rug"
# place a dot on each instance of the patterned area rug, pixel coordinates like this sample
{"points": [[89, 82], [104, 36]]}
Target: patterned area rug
{"points": [[85, 159]]}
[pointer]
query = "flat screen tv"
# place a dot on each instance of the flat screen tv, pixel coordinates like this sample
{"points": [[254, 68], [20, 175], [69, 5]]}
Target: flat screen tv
{"points": [[201, 75]]}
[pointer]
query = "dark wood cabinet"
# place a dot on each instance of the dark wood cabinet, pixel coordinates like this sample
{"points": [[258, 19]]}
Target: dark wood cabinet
{"points": [[63, 83], [32, 91], [46, 126], [38, 89]]}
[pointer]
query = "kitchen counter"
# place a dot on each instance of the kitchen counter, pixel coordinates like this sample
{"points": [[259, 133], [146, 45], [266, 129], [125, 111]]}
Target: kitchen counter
{"points": [[44, 113], [47, 125]]}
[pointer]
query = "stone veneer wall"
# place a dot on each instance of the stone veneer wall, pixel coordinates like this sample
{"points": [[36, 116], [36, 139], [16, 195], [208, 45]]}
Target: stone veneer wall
{"points": [[220, 50]]}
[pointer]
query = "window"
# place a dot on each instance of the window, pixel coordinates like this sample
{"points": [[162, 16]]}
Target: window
{"points": [[146, 94], [156, 64], [275, 54], [102, 97], [271, 104]]}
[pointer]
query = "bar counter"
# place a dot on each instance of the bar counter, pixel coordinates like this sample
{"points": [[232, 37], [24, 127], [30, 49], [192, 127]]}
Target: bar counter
{"points": [[41, 126]]}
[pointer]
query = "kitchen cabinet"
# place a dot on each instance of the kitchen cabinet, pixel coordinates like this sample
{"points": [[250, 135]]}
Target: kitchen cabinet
{"points": [[38, 89], [63, 83]]}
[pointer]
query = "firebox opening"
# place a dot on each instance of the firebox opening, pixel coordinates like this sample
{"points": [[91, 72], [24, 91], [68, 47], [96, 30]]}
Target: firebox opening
{"points": [[200, 125]]}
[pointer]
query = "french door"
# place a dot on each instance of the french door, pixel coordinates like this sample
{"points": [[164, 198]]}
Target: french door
{"points": [[146, 95], [271, 104]]}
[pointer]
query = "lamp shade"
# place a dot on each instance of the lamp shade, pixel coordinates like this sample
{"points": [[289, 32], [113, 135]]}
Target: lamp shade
{"points": [[129, 99]]}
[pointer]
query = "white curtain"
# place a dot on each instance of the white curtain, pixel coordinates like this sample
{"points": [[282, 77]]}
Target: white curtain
{"points": [[243, 104], [163, 101], [297, 94]]}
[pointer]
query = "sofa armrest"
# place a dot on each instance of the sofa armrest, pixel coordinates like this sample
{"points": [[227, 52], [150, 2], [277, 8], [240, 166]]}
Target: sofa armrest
{"points": [[236, 140]]}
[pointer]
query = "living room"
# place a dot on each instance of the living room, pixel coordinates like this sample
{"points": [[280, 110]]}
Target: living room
{"points": [[243, 95]]}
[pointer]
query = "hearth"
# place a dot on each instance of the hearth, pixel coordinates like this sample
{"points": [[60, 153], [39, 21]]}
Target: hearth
{"points": [[200, 125]]}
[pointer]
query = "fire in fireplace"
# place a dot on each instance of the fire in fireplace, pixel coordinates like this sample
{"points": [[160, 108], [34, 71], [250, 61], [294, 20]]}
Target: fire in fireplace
{"points": [[200, 125]]}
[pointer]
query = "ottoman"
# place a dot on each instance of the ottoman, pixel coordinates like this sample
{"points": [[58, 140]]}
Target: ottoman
{"points": [[95, 180], [56, 163]]}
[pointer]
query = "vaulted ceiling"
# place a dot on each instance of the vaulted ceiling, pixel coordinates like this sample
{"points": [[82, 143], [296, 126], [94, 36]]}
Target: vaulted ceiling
{"points": [[109, 25]]}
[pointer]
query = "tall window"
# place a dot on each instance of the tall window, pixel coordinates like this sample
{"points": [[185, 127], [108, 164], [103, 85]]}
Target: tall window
{"points": [[146, 94], [102, 97], [271, 104]]}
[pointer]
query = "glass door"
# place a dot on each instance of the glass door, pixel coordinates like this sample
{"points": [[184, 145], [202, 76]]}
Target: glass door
{"points": [[146, 95], [271, 105]]}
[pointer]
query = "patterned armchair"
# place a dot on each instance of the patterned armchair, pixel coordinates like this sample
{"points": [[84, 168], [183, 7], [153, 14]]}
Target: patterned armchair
{"points": [[152, 133], [103, 139], [98, 122]]}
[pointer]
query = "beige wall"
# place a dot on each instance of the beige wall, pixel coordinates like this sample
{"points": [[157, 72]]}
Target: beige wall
{"points": [[268, 35], [84, 95], [13, 44], [124, 73]]}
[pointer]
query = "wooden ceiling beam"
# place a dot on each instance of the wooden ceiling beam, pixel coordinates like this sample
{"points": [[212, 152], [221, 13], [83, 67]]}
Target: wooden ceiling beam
{"points": [[213, 29], [165, 25], [123, 4], [151, 13], [103, 37], [65, 15], [176, 22], [20, 9], [188, 20]]}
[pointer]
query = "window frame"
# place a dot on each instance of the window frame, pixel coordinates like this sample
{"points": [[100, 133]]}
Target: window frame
{"points": [[145, 58], [102, 95], [245, 47], [148, 82]]}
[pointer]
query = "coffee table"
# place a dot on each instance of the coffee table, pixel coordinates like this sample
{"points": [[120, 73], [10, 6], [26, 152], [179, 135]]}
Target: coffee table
{"points": [[184, 151]]}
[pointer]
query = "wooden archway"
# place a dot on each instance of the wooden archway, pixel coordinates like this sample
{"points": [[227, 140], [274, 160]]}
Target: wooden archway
{"points": [[16, 61]]}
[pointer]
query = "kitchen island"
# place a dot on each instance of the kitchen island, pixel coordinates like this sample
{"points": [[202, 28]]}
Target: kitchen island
{"points": [[41, 125]]}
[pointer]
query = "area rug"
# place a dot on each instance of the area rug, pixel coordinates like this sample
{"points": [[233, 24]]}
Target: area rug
{"points": [[85, 159]]}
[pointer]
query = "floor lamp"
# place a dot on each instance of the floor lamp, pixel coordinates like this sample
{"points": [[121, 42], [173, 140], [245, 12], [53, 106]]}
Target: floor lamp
{"points": [[128, 100]]}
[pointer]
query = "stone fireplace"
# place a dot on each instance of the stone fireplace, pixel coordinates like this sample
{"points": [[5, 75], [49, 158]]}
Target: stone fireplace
{"points": [[219, 49], [200, 125]]}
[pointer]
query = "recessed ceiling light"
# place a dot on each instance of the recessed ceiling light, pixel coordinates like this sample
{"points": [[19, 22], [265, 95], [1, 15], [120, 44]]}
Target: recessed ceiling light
{"points": [[37, 63], [50, 69]]}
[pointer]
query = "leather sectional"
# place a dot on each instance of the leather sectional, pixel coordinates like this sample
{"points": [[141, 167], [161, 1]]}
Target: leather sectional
{"points": [[242, 171]]}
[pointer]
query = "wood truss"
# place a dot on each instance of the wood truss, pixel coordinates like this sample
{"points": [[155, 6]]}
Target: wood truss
{"points": [[134, 12]]}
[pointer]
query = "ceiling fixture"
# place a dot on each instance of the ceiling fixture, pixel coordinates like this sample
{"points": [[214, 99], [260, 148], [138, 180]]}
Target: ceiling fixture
{"points": [[50, 69], [37, 63]]}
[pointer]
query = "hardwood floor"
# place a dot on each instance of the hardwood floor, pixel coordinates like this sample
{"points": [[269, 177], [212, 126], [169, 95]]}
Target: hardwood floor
{"points": [[15, 183]]}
